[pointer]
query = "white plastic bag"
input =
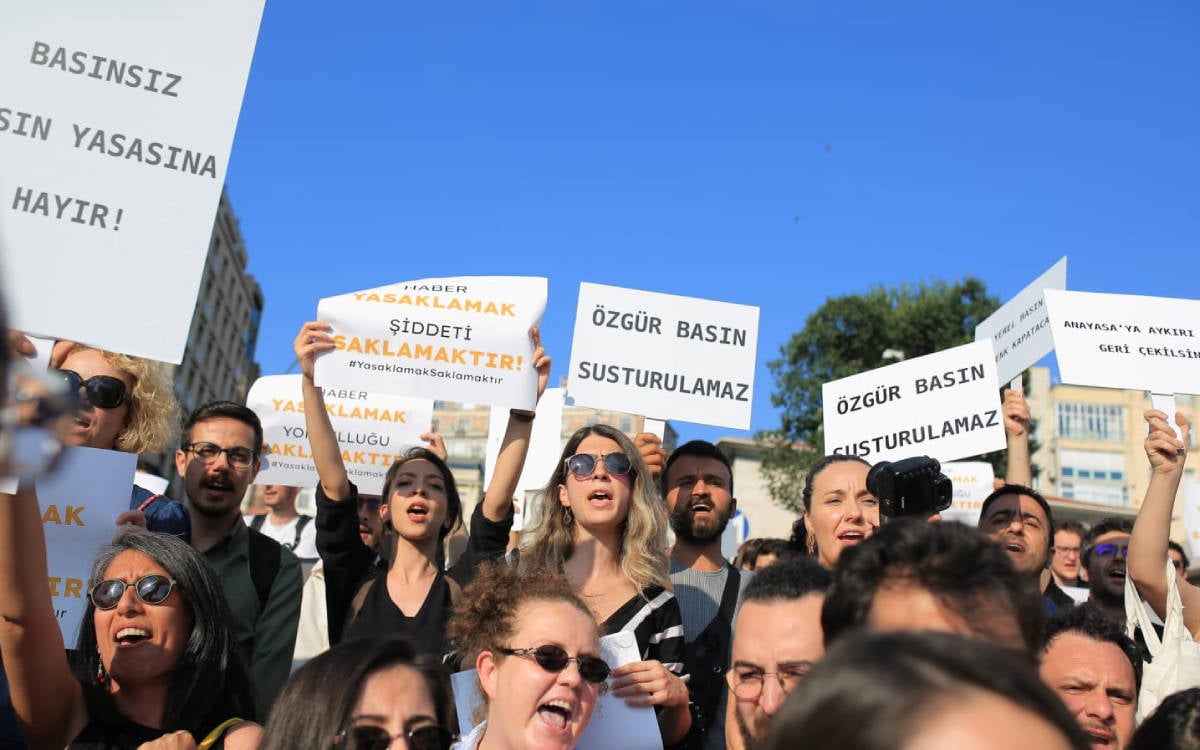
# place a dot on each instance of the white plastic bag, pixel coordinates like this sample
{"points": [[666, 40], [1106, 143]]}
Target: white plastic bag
{"points": [[1176, 664]]}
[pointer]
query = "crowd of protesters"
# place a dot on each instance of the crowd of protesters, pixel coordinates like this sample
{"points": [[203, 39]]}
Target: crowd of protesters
{"points": [[202, 629]]}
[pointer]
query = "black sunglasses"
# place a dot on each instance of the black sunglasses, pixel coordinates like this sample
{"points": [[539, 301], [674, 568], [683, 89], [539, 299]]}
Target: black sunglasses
{"points": [[370, 737], [151, 589], [583, 465], [103, 391], [554, 659]]}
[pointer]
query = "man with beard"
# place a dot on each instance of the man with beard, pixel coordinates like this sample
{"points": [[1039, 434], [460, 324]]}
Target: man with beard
{"points": [[1019, 520], [218, 459], [1105, 549], [698, 487]]}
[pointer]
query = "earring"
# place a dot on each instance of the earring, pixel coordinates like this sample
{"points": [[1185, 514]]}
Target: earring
{"points": [[812, 546], [568, 515], [101, 675]]}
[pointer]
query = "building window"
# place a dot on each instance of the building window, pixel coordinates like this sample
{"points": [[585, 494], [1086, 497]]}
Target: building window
{"points": [[1091, 422], [1093, 476]]}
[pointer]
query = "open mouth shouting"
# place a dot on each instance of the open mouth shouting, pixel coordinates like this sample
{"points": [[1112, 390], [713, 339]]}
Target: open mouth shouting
{"points": [[1014, 546], [417, 511], [851, 536], [701, 508], [129, 637], [599, 498], [556, 715]]}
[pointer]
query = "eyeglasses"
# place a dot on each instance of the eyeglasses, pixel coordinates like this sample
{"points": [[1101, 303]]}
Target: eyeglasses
{"points": [[1066, 551], [583, 465], [1111, 550], [370, 737], [554, 659], [239, 457], [1177, 563], [151, 589], [748, 685], [102, 391]]}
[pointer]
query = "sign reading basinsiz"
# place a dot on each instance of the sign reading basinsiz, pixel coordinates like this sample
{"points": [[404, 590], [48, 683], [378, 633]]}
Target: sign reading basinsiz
{"points": [[1126, 341], [664, 356], [459, 339], [116, 123], [945, 405]]}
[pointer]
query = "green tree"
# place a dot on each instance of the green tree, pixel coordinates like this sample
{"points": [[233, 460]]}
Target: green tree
{"points": [[848, 335]]}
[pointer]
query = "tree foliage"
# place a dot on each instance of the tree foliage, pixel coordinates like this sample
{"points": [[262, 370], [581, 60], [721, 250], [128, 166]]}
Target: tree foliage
{"points": [[848, 335]]}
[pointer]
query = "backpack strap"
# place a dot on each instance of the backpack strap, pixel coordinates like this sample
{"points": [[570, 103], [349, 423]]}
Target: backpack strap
{"points": [[218, 734], [730, 596], [146, 503], [301, 522], [257, 521], [265, 558]]}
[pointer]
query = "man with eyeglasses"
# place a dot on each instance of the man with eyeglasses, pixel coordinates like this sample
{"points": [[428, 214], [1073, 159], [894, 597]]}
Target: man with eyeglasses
{"points": [[1066, 553], [1106, 548], [218, 459], [776, 640]]}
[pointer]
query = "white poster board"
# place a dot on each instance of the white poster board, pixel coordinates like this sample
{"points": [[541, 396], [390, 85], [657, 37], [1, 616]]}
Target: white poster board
{"points": [[663, 356], [1190, 500], [456, 339], [614, 724], [545, 447], [115, 134], [1126, 341], [80, 503], [944, 405], [973, 482], [1020, 330], [373, 430]]}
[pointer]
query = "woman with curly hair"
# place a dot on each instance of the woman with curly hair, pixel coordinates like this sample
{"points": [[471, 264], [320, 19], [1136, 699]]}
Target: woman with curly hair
{"points": [[535, 647], [604, 525]]}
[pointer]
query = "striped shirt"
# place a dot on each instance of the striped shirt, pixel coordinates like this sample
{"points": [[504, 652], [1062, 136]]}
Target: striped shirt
{"points": [[656, 623]]}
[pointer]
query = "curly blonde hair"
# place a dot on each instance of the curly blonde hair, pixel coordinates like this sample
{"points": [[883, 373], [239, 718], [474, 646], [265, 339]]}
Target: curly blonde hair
{"points": [[643, 552], [154, 411]]}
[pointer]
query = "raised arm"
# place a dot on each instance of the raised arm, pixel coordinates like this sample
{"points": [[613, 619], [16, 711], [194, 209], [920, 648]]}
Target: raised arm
{"points": [[1152, 529], [497, 499], [1016, 430], [314, 339], [47, 698]]}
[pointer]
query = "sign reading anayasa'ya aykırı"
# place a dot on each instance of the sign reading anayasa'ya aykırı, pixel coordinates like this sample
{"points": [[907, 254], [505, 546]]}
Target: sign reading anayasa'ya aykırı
{"points": [[116, 123], [458, 339], [945, 405], [1020, 330], [1126, 341], [664, 356], [372, 431]]}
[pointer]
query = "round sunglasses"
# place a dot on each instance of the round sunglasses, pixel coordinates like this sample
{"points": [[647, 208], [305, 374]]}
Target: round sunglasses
{"points": [[370, 737], [583, 465], [102, 391], [151, 589], [554, 659]]}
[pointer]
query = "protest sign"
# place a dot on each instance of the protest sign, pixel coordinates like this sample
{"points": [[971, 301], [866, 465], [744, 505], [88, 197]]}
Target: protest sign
{"points": [[80, 503], [663, 356], [1126, 341], [457, 339], [944, 405], [1020, 330], [1190, 492], [545, 446], [372, 430], [973, 482], [115, 132]]}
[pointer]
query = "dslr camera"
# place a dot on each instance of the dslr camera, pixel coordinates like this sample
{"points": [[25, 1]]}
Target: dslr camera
{"points": [[912, 487]]}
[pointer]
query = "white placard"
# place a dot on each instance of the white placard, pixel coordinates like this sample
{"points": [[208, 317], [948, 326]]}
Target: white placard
{"points": [[1126, 341], [1165, 402], [545, 447], [1191, 517], [458, 339], [973, 482], [1020, 330], [944, 405], [372, 429], [614, 723], [80, 503], [115, 131], [663, 356]]}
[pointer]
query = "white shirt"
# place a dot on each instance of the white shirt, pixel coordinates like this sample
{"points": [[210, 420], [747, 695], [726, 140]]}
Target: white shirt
{"points": [[286, 535]]}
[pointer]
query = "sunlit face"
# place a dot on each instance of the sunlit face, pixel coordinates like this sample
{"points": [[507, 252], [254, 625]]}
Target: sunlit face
{"points": [[982, 721], [1018, 523], [843, 512], [1106, 575], [95, 427], [1064, 557], [216, 489], [900, 606], [698, 498], [396, 700], [418, 503], [602, 499], [280, 498], [1096, 682], [780, 636], [138, 642], [528, 707]]}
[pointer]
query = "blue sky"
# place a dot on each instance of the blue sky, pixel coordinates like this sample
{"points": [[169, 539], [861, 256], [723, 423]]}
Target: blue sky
{"points": [[771, 154]]}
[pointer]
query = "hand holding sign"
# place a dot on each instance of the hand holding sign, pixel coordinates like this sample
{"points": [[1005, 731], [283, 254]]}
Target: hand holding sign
{"points": [[315, 338], [1166, 452]]}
